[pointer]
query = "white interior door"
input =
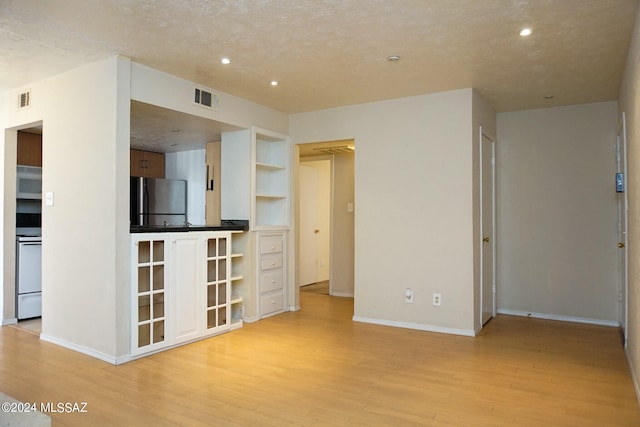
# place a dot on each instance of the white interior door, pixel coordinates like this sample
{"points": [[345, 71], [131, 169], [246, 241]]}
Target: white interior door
{"points": [[487, 220], [308, 267], [621, 160]]}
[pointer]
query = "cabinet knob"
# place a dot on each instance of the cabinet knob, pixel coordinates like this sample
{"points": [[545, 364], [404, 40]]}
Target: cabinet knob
{"points": [[273, 301], [273, 248], [273, 280]]}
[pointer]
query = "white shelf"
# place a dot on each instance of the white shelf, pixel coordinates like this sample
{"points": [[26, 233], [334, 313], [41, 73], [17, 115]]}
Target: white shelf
{"points": [[238, 277], [236, 300], [271, 179]]}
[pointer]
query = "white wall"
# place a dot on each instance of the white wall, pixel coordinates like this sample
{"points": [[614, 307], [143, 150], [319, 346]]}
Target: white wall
{"points": [[630, 105], [164, 90], [83, 258], [414, 205], [343, 233], [557, 235]]}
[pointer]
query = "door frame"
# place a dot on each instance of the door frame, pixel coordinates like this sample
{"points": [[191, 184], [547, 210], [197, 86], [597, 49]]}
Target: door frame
{"points": [[623, 288], [484, 134], [330, 159]]}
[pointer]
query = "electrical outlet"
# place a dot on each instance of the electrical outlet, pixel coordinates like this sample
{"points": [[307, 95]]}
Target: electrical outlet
{"points": [[408, 295], [437, 300]]}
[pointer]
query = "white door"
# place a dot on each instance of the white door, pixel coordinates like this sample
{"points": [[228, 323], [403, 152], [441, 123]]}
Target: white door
{"points": [[308, 268], [621, 160], [487, 220]]}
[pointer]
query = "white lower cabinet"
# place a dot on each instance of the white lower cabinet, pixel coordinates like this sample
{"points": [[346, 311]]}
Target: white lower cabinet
{"points": [[181, 288], [271, 272]]}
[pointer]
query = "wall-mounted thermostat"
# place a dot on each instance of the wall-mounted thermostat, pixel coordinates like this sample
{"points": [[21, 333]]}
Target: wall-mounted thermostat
{"points": [[620, 183]]}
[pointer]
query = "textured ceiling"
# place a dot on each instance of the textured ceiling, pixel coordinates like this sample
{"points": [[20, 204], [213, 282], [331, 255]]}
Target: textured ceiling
{"points": [[328, 53]]}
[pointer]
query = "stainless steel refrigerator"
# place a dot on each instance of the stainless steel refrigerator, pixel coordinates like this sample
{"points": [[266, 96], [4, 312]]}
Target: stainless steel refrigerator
{"points": [[158, 202]]}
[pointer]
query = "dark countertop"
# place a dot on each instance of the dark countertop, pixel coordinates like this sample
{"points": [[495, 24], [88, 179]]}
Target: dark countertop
{"points": [[226, 225]]}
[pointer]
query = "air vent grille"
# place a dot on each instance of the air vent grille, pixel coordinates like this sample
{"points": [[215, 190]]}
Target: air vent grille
{"points": [[24, 100], [205, 98], [335, 149]]}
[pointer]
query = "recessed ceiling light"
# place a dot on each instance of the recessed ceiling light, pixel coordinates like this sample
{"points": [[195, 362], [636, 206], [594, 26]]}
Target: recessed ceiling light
{"points": [[525, 32], [548, 96], [176, 130], [274, 83], [225, 61], [393, 58]]}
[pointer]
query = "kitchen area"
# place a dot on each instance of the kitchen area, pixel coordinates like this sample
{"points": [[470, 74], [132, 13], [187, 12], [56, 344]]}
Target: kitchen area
{"points": [[193, 250], [192, 230], [93, 254], [29, 229]]}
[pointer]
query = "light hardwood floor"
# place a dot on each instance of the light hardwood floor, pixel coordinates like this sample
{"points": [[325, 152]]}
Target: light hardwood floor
{"points": [[316, 367]]}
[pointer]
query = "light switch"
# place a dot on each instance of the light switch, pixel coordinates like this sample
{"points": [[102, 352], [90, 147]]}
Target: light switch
{"points": [[48, 198], [349, 207]]}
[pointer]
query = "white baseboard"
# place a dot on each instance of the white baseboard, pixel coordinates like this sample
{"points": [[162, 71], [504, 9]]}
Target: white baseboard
{"points": [[85, 350], [417, 326], [634, 376], [342, 294], [13, 321], [294, 308], [562, 318], [251, 319]]}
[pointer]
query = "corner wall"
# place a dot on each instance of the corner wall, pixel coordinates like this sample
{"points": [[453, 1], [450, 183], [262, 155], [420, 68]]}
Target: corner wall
{"points": [[84, 258], [557, 213], [413, 205], [629, 103]]}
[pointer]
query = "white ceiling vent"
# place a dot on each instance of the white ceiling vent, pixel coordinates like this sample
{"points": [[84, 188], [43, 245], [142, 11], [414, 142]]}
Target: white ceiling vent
{"points": [[24, 100], [205, 98]]}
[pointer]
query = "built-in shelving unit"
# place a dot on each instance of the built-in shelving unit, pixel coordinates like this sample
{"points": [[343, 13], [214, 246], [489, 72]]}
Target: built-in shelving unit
{"points": [[271, 172], [237, 280]]}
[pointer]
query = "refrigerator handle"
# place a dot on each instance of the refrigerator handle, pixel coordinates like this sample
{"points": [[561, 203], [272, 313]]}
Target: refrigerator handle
{"points": [[142, 189]]}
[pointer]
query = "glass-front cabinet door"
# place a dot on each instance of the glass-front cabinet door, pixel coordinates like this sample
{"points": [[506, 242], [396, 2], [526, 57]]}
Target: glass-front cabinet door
{"points": [[217, 291], [150, 300]]}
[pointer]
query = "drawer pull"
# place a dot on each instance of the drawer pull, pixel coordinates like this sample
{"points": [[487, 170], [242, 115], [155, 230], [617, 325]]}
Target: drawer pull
{"points": [[273, 280], [273, 248], [273, 263], [273, 301]]}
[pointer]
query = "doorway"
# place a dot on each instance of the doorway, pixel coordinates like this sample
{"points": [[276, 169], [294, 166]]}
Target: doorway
{"points": [[22, 227], [325, 212], [487, 184]]}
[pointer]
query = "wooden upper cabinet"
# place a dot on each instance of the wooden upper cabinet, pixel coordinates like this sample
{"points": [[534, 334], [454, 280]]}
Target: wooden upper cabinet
{"points": [[29, 149], [147, 164]]}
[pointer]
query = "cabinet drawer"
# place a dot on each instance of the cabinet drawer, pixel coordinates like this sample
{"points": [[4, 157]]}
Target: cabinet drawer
{"points": [[270, 244], [271, 281], [272, 262], [271, 303]]}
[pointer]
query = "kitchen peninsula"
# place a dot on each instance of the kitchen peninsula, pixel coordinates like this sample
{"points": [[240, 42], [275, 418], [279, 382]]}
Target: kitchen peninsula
{"points": [[186, 283]]}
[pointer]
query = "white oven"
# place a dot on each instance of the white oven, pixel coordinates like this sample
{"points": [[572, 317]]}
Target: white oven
{"points": [[29, 182], [28, 277]]}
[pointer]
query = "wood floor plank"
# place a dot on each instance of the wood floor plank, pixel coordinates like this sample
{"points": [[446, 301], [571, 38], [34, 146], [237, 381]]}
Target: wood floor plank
{"points": [[317, 367]]}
